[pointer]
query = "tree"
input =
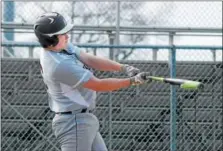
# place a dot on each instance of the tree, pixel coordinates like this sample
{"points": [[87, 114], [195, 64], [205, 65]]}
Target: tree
{"points": [[133, 14]]}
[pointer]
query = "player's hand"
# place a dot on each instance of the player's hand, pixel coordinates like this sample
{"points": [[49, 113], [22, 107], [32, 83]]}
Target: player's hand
{"points": [[130, 70], [140, 78]]}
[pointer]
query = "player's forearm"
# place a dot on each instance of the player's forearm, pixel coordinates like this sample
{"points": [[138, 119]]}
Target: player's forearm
{"points": [[111, 84]]}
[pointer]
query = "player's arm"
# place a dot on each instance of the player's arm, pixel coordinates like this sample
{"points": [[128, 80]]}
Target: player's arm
{"points": [[100, 63], [108, 84], [111, 84], [104, 64], [69, 73]]}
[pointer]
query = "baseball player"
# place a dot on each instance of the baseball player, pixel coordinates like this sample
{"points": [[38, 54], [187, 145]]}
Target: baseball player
{"points": [[71, 85]]}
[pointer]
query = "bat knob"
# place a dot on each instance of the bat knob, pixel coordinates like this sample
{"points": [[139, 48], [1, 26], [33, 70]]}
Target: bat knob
{"points": [[201, 86], [148, 77]]}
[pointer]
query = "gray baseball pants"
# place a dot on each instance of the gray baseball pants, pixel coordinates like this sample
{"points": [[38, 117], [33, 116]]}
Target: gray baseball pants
{"points": [[78, 132]]}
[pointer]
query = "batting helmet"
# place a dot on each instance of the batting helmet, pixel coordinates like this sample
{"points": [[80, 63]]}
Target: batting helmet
{"points": [[48, 26]]}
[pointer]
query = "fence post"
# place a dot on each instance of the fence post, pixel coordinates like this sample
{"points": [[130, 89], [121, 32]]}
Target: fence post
{"points": [[110, 122], [111, 37], [172, 61], [8, 16], [155, 54], [117, 29], [214, 54], [31, 52]]}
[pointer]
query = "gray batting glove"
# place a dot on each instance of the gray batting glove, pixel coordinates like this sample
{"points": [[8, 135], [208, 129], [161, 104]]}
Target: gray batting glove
{"points": [[130, 70], [140, 78]]}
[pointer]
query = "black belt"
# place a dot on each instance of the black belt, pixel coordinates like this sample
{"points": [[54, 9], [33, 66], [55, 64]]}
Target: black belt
{"points": [[70, 112]]}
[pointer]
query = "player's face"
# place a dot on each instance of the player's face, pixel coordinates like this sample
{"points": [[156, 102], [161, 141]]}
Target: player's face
{"points": [[63, 40], [62, 44]]}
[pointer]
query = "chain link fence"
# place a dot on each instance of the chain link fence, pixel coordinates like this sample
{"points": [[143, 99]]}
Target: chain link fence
{"points": [[105, 14], [136, 118], [132, 119], [153, 14], [199, 113]]}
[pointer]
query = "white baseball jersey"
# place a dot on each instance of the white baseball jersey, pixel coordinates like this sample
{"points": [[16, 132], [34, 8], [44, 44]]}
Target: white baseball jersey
{"points": [[64, 75]]}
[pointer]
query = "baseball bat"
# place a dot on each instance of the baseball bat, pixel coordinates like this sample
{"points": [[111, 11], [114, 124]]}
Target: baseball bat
{"points": [[184, 84]]}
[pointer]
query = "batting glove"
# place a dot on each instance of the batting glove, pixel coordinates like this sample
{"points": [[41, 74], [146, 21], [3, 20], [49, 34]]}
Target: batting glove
{"points": [[130, 70], [140, 78]]}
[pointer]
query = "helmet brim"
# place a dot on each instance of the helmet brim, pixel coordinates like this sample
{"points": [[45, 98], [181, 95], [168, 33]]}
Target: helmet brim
{"points": [[66, 29]]}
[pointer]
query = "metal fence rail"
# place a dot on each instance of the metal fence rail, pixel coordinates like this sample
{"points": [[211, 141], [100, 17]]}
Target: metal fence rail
{"points": [[137, 118], [151, 117], [211, 53]]}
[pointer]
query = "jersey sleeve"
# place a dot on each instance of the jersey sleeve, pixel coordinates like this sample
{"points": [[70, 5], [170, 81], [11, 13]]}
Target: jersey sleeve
{"points": [[74, 50], [70, 73]]}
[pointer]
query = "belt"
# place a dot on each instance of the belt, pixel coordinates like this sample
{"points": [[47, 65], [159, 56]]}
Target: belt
{"points": [[85, 110]]}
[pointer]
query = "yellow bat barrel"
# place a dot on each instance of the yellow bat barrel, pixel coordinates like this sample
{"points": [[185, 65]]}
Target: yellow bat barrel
{"points": [[191, 85]]}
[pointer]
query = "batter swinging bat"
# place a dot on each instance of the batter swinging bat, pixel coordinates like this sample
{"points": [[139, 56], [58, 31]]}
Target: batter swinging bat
{"points": [[185, 84]]}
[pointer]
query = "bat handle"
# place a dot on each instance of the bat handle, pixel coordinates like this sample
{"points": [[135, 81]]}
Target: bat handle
{"points": [[154, 78]]}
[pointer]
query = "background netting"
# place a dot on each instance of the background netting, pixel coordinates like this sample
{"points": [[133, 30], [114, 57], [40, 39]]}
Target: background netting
{"points": [[136, 118], [132, 119]]}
